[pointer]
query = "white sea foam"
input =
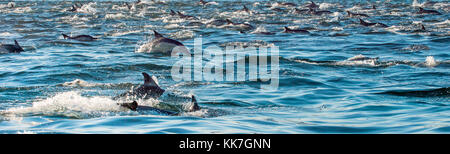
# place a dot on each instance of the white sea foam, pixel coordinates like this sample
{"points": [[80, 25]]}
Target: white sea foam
{"points": [[69, 104], [430, 62]]}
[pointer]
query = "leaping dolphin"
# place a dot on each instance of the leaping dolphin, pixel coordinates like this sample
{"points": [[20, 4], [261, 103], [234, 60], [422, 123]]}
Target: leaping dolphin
{"points": [[80, 37], [161, 44], [11, 48]]}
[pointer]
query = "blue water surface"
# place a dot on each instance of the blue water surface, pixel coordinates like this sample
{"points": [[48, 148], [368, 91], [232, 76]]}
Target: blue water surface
{"points": [[342, 77]]}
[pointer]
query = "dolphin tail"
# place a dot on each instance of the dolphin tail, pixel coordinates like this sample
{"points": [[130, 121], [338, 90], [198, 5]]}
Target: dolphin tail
{"points": [[157, 34], [65, 36], [132, 106]]}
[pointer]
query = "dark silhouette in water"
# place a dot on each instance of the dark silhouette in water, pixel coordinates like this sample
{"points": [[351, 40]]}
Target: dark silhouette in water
{"points": [[351, 14], [11, 48], [172, 13], [423, 27], [151, 89], [364, 23], [315, 12], [440, 92], [423, 11], [134, 106], [288, 30], [244, 25], [80, 37], [75, 7], [181, 15], [203, 2], [312, 5]]}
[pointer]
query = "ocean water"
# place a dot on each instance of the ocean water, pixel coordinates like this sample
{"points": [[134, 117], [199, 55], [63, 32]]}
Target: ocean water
{"points": [[342, 77]]}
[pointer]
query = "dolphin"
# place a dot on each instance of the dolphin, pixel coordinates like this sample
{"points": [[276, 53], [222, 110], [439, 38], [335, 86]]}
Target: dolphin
{"points": [[424, 11], [312, 5], [181, 15], [350, 14], [151, 89], [11, 48], [134, 106], [298, 11], [161, 44], [288, 30], [202, 2], [367, 24], [73, 9], [80, 37], [172, 12], [315, 12], [288, 4], [245, 9], [128, 5], [243, 25]]}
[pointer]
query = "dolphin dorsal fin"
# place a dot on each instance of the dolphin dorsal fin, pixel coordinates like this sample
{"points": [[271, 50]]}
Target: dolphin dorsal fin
{"points": [[423, 27], [157, 35], [194, 106], [16, 43], [374, 7], [286, 28], [362, 22], [229, 21], [150, 81], [420, 9]]}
